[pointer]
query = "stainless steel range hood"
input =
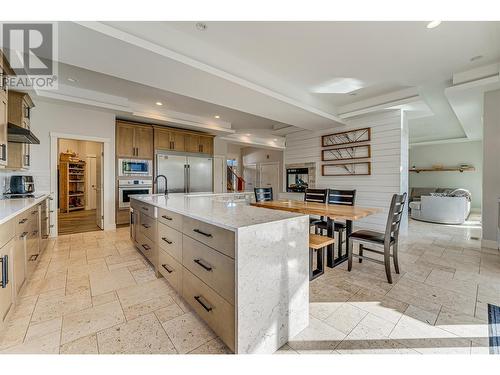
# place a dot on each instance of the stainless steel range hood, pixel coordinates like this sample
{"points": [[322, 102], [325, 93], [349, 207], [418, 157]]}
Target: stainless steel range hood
{"points": [[18, 134]]}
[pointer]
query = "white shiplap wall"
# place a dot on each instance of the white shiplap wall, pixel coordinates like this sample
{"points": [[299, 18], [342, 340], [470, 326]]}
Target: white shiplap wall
{"points": [[388, 154]]}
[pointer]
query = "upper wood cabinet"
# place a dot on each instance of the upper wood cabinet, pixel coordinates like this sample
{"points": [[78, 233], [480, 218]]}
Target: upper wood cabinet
{"points": [[167, 139], [134, 141], [200, 143], [19, 113]]}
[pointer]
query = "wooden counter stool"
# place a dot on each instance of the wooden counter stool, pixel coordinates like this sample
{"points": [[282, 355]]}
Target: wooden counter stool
{"points": [[318, 244]]}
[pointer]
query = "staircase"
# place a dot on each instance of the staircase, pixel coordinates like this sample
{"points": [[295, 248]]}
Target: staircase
{"points": [[234, 182]]}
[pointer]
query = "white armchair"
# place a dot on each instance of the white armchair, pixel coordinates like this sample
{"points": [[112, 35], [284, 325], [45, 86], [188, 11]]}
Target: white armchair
{"points": [[444, 210]]}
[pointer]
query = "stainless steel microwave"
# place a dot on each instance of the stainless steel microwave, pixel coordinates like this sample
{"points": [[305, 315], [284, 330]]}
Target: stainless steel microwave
{"points": [[134, 167]]}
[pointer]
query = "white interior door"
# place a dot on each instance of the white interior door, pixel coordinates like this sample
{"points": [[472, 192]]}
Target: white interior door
{"points": [[91, 182], [99, 190], [250, 176], [269, 176]]}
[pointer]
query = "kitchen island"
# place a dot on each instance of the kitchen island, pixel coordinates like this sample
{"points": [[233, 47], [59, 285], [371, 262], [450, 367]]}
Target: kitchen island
{"points": [[243, 269]]}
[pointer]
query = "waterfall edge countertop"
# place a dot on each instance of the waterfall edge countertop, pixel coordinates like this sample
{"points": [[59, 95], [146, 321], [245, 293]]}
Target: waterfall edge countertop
{"points": [[10, 208], [230, 210]]}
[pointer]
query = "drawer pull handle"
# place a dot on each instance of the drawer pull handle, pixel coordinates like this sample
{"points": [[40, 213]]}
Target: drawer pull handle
{"points": [[202, 233], [23, 235], [146, 226], [200, 263], [166, 268], [167, 240], [166, 217], [5, 271], [145, 208], [23, 221], [34, 212], [146, 247], [208, 308]]}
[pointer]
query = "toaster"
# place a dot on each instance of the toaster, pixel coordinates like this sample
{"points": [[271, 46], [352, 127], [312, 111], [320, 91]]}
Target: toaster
{"points": [[22, 185]]}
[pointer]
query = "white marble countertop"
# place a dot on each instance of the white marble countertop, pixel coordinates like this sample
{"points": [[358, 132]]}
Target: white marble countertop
{"points": [[216, 209], [10, 208]]}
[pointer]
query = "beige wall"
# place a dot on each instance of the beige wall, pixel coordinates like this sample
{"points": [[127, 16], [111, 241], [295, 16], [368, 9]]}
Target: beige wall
{"points": [[491, 167]]}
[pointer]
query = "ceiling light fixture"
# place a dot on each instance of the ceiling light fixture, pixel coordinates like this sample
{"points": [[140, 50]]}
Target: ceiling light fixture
{"points": [[475, 58], [201, 26], [433, 24], [159, 103], [217, 116]]}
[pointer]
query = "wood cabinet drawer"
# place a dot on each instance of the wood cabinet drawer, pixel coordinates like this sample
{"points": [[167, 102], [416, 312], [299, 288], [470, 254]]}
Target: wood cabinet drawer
{"points": [[216, 237], [170, 269], [147, 247], [213, 268], [170, 218], [170, 240], [6, 232], [147, 226], [23, 223], [211, 307], [147, 209]]}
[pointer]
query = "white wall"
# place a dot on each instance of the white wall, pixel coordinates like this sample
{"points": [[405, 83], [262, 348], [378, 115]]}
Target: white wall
{"points": [[450, 154], [62, 117], [491, 167], [389, 162]]}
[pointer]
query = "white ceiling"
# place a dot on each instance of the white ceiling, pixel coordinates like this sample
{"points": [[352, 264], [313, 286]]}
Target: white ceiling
{"points": [[262, 75]]}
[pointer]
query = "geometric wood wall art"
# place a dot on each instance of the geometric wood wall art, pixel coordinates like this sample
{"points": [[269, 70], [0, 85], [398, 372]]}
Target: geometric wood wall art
{"points": [[346, 169], [344, 138], [346, 153]]}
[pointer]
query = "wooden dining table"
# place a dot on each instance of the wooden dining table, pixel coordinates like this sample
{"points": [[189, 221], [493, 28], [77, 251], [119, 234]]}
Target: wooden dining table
{"points": [[332, 212]]}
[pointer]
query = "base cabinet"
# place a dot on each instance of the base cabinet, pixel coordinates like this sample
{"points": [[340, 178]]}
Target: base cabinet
{"points": [[6, 287]]}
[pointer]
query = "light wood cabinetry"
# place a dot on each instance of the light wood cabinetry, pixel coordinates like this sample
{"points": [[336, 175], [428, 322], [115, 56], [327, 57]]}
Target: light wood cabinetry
{"points": [[168, 139], [199, 143], [20, 247], [197, 260], [19, 113], [6, 289], [134, 141], [3, 125]]}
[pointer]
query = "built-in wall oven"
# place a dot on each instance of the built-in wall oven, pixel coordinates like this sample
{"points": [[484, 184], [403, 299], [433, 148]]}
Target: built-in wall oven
{"points": [[126, 188], [135, 168]]}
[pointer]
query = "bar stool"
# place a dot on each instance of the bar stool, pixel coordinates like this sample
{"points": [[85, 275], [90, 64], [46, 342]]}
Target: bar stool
{"points": [[318, 244]]}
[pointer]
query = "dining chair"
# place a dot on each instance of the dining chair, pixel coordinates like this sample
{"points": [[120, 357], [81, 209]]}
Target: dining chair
{"points": [[384, 241], [318, 196], [345, 197], [263, 194]]}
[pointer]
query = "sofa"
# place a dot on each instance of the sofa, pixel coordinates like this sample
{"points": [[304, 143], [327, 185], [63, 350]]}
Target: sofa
{"points": [[451, 207]]}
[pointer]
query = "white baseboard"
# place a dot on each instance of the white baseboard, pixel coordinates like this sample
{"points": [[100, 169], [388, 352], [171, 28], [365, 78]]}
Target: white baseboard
{"points": [[489, 244]]}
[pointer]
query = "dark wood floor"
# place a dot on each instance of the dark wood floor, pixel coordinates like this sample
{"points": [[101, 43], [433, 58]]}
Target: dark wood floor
{"points": [[77, 222]]}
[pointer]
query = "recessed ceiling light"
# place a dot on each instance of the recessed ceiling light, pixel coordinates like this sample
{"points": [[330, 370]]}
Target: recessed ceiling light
{"points": [[217, 116], [159, 103], [475, 58], [71, 79], [433, 24], [201, 26]]}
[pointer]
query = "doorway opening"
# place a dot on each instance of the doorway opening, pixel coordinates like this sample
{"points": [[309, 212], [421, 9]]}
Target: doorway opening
{"points": [[79, 186]]}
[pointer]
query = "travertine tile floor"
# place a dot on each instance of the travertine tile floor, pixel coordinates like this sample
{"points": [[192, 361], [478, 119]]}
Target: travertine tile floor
{"points": [[93, 293]]}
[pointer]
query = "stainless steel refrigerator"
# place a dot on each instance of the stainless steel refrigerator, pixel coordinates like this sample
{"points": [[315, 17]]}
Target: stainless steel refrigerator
{"points": [[185, 174]]}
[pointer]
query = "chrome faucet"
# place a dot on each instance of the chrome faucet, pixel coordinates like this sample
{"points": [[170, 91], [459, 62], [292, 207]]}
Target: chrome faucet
{"points": [[166, 182]]}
